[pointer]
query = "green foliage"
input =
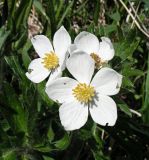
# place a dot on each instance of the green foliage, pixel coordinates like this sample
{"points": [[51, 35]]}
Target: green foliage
{"points": [[145, 107], [30, 128]]}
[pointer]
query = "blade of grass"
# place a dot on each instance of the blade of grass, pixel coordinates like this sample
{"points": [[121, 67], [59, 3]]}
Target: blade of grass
{"points": [[145, 108], [65, 13]]}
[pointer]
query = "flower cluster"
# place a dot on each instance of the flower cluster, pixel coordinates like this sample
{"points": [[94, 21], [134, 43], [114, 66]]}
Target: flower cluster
{"points": [[92, 84]]}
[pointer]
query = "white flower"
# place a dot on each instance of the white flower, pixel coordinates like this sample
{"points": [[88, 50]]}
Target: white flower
{"points": [[83, 95], [101, 52], [51, 61]]}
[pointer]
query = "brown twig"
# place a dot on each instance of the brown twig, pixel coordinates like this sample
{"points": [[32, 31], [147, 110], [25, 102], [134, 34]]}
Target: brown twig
{"points": [[134, 19], [136, 15]]}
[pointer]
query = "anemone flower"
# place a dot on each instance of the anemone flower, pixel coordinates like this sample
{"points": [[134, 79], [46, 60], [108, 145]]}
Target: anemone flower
{"points": [[85, 94], [101, 52], [51, 59]]}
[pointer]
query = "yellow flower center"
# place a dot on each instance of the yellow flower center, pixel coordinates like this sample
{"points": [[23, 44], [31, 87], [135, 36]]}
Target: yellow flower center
{"points": [[83, 92], [50, 61], [97, 59]]}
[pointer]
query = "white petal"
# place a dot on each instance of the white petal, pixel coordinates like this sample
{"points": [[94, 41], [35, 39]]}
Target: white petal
{"points": [[61, 42], [106, 39], [72, 49], [107, 81], [87, 42], [81, 66], [60, 90], [57, 73], [42, 45], [106, 50], [104, 111], [73, 115], [37, 72]]}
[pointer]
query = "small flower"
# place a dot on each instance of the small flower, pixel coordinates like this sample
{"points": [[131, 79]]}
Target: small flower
{"points": [[101, 52], [83, 95], [51, 61]]}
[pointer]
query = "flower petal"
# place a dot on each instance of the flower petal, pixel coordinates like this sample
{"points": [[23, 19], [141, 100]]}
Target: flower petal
{"points": [[107, 81], [42, 45], [36, 71], [61, 89], [81, 66], [106, 50], [72, 49], [104, 111], [57, 73], [87, 42], [73, 115], [61, 42]]}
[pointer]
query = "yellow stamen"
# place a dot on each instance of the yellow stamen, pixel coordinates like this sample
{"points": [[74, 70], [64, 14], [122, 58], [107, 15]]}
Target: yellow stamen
{"points": [[97, 59], [83, 92], [50, 61]]}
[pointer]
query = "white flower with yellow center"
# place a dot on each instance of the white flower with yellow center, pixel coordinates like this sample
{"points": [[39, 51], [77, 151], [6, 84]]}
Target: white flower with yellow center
{"points": [[52, 59], [101, 52], [83, 95]]}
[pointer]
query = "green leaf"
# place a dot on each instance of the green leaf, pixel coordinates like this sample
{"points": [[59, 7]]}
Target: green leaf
{"points": [[24, 157], [110, 28], [130, 71], [21, 41], [42, 93], [5, 125], [12, 100], [9, 155], [127, 82], [25, 57], [50, 133], [39, 7], [12, 7], [145, 108], [47, 158], [146, 4], [52, 16], [116, 16], [84, 134], [22, 13], [3, 36], [65, 13], [96, 135], [14, 64], [126, 48], [59, 9], [124, 108], [44, 148], [96, 13], [63, 143]]}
